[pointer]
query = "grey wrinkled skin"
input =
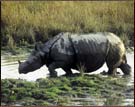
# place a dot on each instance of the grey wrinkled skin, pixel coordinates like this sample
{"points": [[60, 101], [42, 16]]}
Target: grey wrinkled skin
{"points": [[31, 64], [67, 50]]}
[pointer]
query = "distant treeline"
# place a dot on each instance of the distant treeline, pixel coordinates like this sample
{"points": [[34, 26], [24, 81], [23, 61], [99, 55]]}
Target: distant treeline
{"points": [[27, 22]]}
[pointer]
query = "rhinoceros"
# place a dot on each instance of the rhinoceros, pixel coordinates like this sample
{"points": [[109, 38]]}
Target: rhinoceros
{"points": [[69, 50]]}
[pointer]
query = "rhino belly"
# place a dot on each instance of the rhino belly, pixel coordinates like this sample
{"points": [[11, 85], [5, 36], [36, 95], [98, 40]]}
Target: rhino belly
{"points": [[90, 62]]}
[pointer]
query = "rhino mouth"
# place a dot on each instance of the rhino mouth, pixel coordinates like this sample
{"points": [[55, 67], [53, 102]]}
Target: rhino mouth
{"points": [[22, 72]]}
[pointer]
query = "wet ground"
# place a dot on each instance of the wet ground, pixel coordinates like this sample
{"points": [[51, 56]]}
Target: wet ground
{"points": [[9, 69]]}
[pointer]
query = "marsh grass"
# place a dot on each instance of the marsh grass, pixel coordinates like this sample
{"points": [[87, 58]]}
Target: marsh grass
{"points": [[63, 90], [32, 21], [82, 69]]}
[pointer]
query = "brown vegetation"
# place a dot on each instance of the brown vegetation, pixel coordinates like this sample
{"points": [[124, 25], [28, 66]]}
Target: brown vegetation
{"points": [[28, 22]]}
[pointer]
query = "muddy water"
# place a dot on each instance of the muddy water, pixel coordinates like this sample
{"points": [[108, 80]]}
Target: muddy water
{"points": [[9, 69]]}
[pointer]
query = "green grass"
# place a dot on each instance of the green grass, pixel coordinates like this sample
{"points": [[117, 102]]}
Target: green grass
{"points": [[62, 90], [32, 21]]}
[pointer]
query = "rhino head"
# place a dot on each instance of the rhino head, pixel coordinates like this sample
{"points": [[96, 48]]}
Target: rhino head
{"points": [[34, 61]]}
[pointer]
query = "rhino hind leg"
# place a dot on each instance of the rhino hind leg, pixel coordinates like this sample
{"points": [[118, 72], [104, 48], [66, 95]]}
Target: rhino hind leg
{"points": [[126, 69], [121, 63], [113, 67], [113, 64], [112, 71]]}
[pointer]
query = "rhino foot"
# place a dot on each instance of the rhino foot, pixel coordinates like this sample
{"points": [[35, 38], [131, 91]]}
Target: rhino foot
{"points": [[104, 73], [54, 74]]}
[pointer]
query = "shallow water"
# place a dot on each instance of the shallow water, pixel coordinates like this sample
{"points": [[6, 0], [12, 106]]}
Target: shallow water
{"points": [[9, 69]]}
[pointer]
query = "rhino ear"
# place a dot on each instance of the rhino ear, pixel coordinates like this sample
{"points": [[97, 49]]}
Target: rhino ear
{"points": [[19, 61], [38, 47]]}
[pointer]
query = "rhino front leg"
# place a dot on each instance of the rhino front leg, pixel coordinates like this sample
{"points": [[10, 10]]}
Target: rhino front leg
{"points": [[68, 72], [54, 65], [52, 71]]}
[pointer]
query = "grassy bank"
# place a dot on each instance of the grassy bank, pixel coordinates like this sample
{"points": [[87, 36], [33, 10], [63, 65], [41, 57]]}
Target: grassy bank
{"points": [[64, 90], [24, 23]]}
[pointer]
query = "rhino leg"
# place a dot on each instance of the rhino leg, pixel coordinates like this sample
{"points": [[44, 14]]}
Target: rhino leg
{"points": [[54, 65], [52, 71], [113, 60], [68, 72], [125, 68], [112, 71], [113, 65]]}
